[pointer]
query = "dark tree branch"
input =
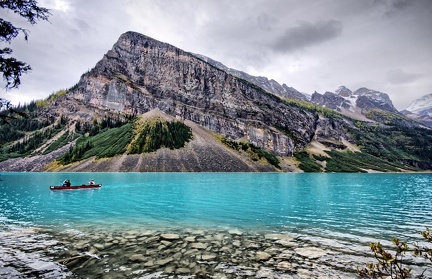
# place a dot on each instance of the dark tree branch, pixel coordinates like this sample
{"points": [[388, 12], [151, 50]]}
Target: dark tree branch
{"points": [[27, 9], [9, 32], [12, 69]]}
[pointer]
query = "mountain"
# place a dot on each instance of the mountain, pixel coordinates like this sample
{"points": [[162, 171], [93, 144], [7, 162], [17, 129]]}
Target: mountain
{"points": [[363, 104], [149, 106], [359, 101], [271, 86], [421, 110]]}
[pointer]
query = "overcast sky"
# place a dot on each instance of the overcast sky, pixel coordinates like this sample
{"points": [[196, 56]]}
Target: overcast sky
{"points": [[311, 45]]}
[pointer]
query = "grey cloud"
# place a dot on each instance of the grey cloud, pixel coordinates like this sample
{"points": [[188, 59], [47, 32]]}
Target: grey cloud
{"points": [[396, 7], [399, 76], [264, 21], [306, 34]]}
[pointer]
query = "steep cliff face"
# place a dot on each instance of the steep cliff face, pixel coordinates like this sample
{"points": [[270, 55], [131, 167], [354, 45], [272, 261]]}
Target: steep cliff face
{"points": [[140, 74]]}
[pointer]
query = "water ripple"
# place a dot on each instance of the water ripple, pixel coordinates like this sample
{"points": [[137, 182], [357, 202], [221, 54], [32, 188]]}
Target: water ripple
{"points": [[342, 206]]}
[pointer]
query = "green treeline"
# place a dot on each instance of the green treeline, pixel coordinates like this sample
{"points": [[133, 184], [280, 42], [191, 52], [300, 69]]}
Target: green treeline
{"points": [[157, 133], [307, 163], [18, 127], [345, 161], [95, 127], [28, 144], [254, 152], [108, 143], [389, 118], [383, 148], [394, 143], [61, 141]]}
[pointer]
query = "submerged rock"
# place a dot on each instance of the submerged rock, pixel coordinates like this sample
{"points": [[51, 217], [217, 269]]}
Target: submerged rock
{"points": [[200, 246], [262, 256], [170, 236], [310, 252], [137, 258], [25, 254]]}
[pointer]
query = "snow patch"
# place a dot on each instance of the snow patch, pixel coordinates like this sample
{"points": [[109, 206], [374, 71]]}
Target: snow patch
{"points": [[421, 104]]}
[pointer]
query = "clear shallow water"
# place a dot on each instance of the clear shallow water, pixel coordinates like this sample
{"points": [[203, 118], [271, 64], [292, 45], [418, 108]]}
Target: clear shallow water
{"points": [[344, 206]]}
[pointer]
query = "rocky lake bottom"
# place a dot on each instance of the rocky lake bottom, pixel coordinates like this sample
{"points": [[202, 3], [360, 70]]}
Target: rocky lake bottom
{"points": [[186, 253]]}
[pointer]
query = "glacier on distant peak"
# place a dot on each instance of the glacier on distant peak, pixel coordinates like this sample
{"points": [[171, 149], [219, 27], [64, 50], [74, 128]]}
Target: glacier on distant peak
{"points": [[421, 104]]}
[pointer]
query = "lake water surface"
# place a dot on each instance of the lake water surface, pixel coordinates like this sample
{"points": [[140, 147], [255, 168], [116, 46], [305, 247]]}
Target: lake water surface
{"points": [[350, 208]]}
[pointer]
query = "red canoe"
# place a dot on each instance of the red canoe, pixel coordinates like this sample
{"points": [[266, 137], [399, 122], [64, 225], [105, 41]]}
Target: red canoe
{"points": [[95, 186]]}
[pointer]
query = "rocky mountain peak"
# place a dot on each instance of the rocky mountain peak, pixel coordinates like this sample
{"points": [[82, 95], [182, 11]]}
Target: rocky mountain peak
{"points": [[132, 40], [373, 94], [343, 91], [421, 110], [421, 104], [140, 74], [354, 104]]}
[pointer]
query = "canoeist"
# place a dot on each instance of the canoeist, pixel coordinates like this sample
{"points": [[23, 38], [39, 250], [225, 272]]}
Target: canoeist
{"points": [[91, 182], [66, 183]]}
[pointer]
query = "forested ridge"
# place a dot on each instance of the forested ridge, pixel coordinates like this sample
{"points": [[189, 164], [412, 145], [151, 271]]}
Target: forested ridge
{"points": [[383, 147]]}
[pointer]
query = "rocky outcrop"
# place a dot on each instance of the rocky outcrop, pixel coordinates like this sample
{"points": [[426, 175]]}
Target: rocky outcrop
{"points": [[140, 74]]}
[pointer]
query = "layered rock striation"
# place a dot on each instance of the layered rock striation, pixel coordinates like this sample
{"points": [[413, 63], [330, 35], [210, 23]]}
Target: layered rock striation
{"points": [[140, 74]]}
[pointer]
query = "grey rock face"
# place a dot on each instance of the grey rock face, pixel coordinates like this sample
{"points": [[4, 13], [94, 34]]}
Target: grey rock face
{"points": [[370, 99], [366, 103], [330, 100], [140, 74], [343, 91]]}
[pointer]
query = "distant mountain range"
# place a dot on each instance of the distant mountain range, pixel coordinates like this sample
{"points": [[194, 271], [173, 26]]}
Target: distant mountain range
{"points": [[271, 86], [421, 109], [149, 106], [354, 104]]}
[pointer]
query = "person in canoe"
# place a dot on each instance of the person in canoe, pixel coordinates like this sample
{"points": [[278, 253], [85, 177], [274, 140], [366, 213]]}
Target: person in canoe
{"points": [[91, 182], [66, 183]]}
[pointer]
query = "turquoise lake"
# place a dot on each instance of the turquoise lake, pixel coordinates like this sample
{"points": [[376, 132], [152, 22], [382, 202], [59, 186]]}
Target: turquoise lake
{"points": [[348, 206]]}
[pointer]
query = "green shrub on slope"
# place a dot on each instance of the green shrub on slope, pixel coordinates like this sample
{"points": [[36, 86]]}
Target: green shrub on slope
{"points": [[307, 164], [157, 133], [256, 152], [109, 143]]}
